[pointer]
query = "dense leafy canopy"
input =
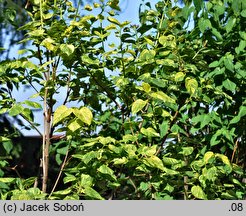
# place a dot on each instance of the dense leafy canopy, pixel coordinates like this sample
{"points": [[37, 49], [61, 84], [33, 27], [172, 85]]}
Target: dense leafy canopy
{"points": [[162, 109]]}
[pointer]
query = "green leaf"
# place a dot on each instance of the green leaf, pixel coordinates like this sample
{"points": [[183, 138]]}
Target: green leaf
{"points": [[204, 24], [69, 178], [154, 162], [67, 49], [224, 159], [61, 113], [106, 140], [228, 61], [170, 161], [204, 119], [214, 64], [130, 149], [211, 174], [147, 55], [115, 149], [149, 132], [8, 146], [147, 151], [166, 62], [104, 169], [7, 180], [37, 33], [198, 192], [229, 85], [162, 96], [243, 13], [186, 151], [90, 192], [32, 104], [207, 156], [63, 192], [86, 180], [114, 4], [16, 109], [129, 137], [114, 21], [88, 7], [242, 111], [191, 85], [170, 171], [120, 161], [74, 125], [138, 105], [86, 59], [198, 4], [169, 188], [146, 87], [86, 158], [84, 114], [49, 44], [217, 34], [241, 47], [179, 77], [4, 139], [167, 41], [230, 24], [164, 128]]}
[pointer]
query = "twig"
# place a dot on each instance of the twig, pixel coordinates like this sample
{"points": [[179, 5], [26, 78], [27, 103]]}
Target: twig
{"points": [[61, 170], [31, 123], [234, 150]]}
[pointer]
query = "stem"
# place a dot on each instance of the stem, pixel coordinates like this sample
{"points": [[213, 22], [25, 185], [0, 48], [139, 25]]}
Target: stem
{"points": [[234, 150], [60, 172], [46, 142], [32, 124], [186, 181]]}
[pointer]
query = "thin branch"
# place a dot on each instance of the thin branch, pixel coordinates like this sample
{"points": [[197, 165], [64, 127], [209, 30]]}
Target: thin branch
{"points": [[61, 170], [32, 124], [234, 150]]}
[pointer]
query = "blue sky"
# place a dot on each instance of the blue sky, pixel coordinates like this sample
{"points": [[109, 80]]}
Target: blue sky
{"points": [[130, 13]]}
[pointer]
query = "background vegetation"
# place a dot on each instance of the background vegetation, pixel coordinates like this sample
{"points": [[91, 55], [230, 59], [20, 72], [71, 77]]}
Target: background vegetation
{"points": [[161, 111]]}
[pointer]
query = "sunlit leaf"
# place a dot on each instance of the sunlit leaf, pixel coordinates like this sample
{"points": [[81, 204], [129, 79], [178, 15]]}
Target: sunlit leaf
{"points": [[224, 159], [191, 85], [179, 76], [208, 156], [7, 180], [162, 96], [67, 49], [32, 104], [154, 162], [149, 132], [119, 161], [104, 169], [90, 192], [86, 180], [84, 114], [186, 151], [138, 105], [61, 113], [74, 125], [198, 192]]}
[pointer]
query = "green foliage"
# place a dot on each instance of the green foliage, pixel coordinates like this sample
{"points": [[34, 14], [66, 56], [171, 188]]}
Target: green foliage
{"points": [[161, 115]]}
